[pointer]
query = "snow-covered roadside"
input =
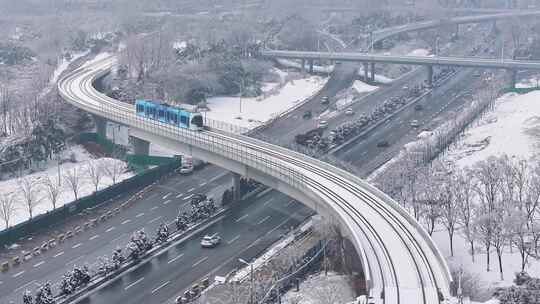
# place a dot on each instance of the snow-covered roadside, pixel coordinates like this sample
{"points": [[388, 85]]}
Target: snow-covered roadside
{"points": [[321, 289], [378, 78], [251, 112], [83, 160], [358, 88]]}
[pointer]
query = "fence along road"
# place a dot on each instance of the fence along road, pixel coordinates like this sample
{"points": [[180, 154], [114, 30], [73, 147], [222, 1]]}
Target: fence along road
{"points": [[401, 263]]}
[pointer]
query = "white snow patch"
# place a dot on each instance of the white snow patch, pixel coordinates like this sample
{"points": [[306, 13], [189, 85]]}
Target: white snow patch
{"points": [[378, 78], [83, 158], [419, 52], [362, 87], [529, 83], [513, 128], [255, 111], [322, 289], [98, 57], [179, 45]]}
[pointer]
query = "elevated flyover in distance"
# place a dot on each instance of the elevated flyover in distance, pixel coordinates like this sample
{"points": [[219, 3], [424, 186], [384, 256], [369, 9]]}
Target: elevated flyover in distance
{"points": [[400, 261], [428, 61]]}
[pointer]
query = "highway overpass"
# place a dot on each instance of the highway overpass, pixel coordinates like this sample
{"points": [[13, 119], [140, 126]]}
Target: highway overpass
{"points": [[428, 61], [400, 261]]}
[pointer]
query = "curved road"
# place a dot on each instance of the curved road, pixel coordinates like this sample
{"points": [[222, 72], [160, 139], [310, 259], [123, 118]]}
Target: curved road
{"points": [[401, 261]]}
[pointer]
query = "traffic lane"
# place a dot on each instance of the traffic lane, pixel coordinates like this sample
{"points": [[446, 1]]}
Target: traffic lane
{"points": [[250, 221], [158, 205], [366, 156]]}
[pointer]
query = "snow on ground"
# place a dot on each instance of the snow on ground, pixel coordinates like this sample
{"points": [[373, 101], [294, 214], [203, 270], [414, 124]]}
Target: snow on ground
{"points": [[321, 289], [298, 65], [512, 128], [250, 112], [362, 87], [378, 78], [83, 158], [530, 83], [98, 57], [419, 52]]}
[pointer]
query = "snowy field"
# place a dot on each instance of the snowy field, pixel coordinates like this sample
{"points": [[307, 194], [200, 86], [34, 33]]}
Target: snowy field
{"points": [[321, 289], [251, 112], [83, 160]]}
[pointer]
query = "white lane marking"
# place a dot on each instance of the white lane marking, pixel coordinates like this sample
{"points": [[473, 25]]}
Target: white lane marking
{"points": [[290, 202], [255, 242], [187, 197], [268, 202], [160, 286], [156, 219], [75, 259], [215, 178], [94, 237], [202, 184], [110, 229], [175, 258], [133, 284], [39, 264], [179, 195], [191, 190], [166, 202], [58, 254], [76, 245], [167, 195], [126, 221], [154, 208], [241, 218], [18, 274], [281, 224], [117, 238], [140, 214], [23, 286], [263, 220], [200, 261], [233, 239]]}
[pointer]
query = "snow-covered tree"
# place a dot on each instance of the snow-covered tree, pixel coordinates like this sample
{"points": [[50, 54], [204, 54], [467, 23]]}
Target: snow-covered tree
{"points": [[73, 179], [7, 207], [30, 191], [113, 168], [463, 188], [95, 172], [53, 188]]}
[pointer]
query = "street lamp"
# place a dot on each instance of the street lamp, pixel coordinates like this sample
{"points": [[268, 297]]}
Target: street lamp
{"points": [[251, 279]]}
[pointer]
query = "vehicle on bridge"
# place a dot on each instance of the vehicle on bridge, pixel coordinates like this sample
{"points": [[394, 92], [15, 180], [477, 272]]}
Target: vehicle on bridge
{"points": [[163, 112]]}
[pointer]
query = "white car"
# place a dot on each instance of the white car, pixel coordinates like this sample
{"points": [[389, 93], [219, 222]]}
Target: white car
{"points": [[186, 169], [415, 123], [349, 112], [323, 124], [210, 241]]}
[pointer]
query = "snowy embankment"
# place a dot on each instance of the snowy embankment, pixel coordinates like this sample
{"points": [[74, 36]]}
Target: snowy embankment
{"points": [[357, 89], [251, 112], [512, 128], [378, 78], [321, 289], [83, 160]]}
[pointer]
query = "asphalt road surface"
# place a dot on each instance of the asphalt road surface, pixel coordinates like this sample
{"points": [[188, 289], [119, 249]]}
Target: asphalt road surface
{"points": [[246, 231]]}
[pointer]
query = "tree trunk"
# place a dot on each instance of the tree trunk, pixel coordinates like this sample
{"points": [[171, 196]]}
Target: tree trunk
{"points": [[472, 250], [499, 257], [487, 258], [451, 239]]}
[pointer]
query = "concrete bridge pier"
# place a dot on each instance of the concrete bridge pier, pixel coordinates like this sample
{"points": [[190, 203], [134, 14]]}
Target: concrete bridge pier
{"points": [[101, 126], [456, 33], [366, 69], [140, 146], [311, 66], [236, 186], [372, 72], [429, 75], [303, 65]]}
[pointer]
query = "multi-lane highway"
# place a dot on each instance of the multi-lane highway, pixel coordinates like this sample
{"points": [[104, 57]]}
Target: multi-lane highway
{"points": [[381, 232]]}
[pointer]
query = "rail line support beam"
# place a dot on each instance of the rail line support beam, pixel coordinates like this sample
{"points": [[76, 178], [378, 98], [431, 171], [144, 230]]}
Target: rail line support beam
{"points": [[303, 65], [140, 146], [311, 66], [236, 186], [366, 67], [429, 75], [101, 126], [373, 71]]}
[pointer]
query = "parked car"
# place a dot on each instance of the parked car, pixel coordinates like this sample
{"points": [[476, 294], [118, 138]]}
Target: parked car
{"points": [[325, 100], [415, 123], [349, 112], [383, 144], [210, 241], [323, 124]]}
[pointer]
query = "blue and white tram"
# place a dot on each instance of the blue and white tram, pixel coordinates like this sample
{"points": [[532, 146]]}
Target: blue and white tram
{"points": [[169, 114]]}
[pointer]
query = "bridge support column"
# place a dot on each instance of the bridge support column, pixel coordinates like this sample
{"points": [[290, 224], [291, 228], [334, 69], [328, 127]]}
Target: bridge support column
{"points": [[311, 65], [236, 186], [303, 65], [366, 67], [140, 146], [513, 78], [429, 75], [372, 72], [456, 33], [101, 126]]}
